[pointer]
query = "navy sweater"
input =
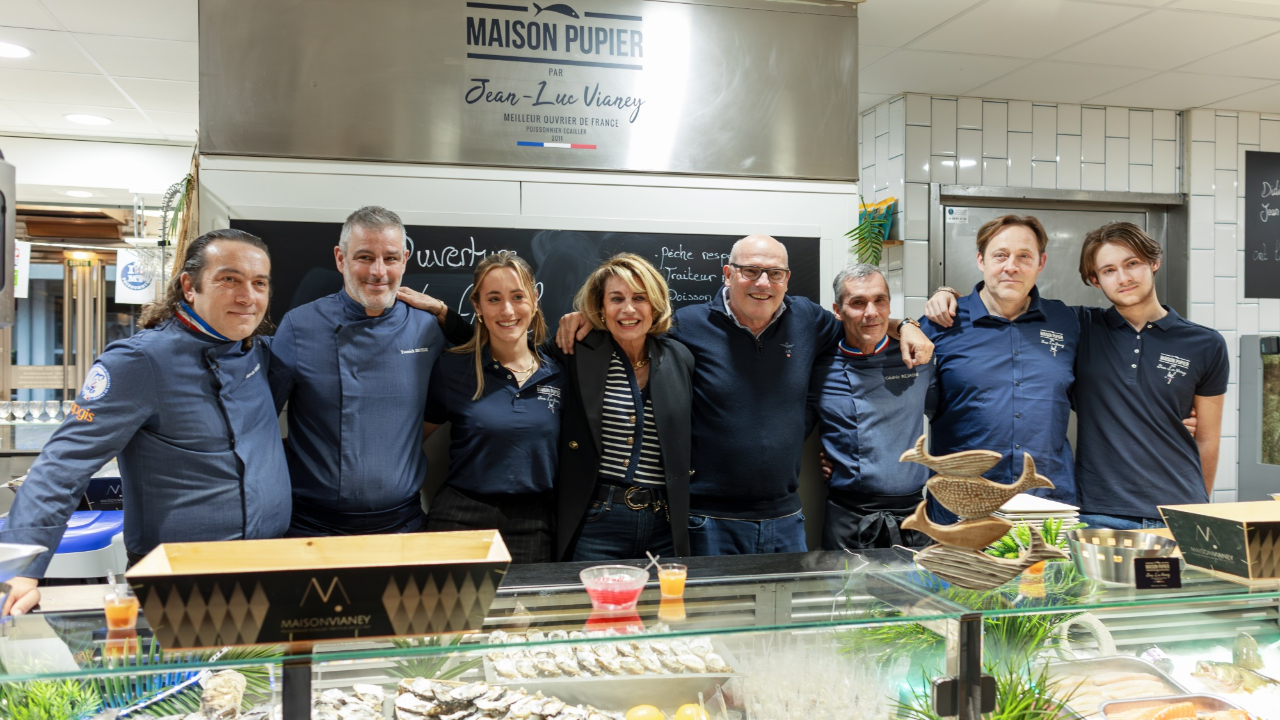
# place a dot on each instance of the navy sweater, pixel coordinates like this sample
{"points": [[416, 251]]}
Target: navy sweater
{"points": [[749, 405]]}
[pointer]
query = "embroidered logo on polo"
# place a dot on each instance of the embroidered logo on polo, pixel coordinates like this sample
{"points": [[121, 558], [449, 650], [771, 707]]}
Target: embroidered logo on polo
{"points": [[254, 371], [415, 350], [1173, 366], [551, 395], [903, 376], [96, 383], [1054, 340], [787, 347]]}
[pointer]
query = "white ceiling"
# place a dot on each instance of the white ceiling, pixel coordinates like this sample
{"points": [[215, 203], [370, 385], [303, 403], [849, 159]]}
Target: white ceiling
{"points": [[131, 61], [1174, 54], [136, 62]]}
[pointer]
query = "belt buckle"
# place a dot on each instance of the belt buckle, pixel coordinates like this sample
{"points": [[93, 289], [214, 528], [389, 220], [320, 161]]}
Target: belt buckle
{"points": [[632, 504]]}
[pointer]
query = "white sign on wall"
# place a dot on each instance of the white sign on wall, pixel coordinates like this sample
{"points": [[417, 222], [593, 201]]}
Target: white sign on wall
{"points": [[135, 278], [21, 268]]}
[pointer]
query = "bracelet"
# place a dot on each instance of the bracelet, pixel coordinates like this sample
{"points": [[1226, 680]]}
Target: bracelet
{"points": [[951, 290], [908, 321]]}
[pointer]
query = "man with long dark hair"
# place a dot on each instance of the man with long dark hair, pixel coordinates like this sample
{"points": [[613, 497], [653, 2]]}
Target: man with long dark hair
{"points": [[185, 406]]}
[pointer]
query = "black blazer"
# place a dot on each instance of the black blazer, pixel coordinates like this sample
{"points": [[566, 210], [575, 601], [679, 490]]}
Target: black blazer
{"points": [[670, 389]]}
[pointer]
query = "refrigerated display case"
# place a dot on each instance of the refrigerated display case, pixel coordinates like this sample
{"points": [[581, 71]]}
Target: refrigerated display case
{"points": [[817, 635]]}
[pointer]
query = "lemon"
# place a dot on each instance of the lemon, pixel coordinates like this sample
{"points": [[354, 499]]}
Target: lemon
{"points": [[690, 712], [644, 712]]}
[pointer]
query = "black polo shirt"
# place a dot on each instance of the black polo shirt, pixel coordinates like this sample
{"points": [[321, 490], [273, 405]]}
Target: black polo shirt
{"points": [[1132, 391]]}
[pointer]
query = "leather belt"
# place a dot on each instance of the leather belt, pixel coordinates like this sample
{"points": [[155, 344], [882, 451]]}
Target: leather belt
{"points": [[636, 498]]}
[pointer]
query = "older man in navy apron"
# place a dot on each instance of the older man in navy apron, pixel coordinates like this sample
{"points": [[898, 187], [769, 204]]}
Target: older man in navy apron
{"points": [[354, 369], [186, 408]]}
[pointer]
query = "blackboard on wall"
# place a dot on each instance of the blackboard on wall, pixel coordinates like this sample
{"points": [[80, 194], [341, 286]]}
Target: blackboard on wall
{"points": [[1262, 224], [442, 260]]}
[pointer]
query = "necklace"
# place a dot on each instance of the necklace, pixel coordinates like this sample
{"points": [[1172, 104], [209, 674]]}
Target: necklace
{"points": [[638, 365], [533, 361]]}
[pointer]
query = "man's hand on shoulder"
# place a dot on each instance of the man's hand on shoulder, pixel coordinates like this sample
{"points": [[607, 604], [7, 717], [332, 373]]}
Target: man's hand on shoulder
{"points": [[941, 308], [573, 327], [917, 348]]}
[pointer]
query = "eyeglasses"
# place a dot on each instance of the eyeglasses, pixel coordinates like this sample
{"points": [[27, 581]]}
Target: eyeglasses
{"points": [[752, 273]]}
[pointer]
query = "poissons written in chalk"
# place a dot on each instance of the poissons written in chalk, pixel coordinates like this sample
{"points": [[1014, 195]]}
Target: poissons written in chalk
{"points": [[592, 96]]}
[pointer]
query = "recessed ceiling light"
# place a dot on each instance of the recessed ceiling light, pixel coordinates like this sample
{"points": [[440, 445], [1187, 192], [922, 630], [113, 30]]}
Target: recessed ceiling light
{"points": [[79, 193], [87, 119], [9, 50]]}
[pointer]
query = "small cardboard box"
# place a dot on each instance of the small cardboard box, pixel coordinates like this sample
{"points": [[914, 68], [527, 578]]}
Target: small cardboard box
{"points": [[1241, 539], [300, 590]]}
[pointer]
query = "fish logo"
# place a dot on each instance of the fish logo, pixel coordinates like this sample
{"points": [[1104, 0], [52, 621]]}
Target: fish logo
{"points": [[557, 8], [1054, 340], [1173, 366]]}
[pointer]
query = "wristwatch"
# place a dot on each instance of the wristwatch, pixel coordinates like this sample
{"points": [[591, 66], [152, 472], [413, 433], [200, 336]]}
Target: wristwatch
{"points": [[908, 321], [944, 288]]}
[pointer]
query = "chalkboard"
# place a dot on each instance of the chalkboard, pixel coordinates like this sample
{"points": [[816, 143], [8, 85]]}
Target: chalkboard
{"points": [[1262, 225], [442, 260]]}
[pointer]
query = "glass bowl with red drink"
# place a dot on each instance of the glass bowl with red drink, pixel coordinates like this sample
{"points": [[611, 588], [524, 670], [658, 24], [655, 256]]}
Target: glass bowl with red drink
{"points": [[614, 587]]}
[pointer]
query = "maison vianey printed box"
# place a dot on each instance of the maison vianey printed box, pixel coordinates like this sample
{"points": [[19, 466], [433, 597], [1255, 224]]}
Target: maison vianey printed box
{"points": [[1241, 539], [299, 590]]}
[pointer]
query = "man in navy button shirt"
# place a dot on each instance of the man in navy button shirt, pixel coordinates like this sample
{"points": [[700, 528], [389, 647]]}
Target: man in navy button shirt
{"points": [[869, 408], [354, 367], [1141, 368], [1005, 366]]}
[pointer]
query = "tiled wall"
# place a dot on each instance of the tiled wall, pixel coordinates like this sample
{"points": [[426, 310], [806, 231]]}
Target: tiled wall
{"points": [[1217, 142]]}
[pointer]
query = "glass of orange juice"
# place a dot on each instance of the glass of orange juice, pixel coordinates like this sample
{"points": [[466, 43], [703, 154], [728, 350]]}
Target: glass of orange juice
{"points": [[671, 577], [121, 607]]}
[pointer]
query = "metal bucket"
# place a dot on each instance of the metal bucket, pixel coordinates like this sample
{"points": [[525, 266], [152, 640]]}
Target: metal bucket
{"points": [[1107, 555]]}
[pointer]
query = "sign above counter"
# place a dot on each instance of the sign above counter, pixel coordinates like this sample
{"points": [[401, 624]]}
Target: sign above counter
{"points": [[746, 88]]}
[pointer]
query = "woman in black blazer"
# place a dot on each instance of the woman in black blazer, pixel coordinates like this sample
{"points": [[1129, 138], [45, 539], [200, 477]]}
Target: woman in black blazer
{"points": [[623, 483]]}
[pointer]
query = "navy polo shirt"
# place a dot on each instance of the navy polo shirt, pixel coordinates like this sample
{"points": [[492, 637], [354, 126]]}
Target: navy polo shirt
{"points": [[505, 442], [1133, 388], [1006, 386], [869, 410]]}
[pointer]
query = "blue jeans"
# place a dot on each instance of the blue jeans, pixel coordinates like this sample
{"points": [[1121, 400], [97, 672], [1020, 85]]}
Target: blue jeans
{"points": [[1120, 522], [613, 531], [722, 536]]}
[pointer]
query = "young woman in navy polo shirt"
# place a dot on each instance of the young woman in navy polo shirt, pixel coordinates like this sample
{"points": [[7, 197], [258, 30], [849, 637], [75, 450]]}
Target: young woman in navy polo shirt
{"points": [[503, 398]]}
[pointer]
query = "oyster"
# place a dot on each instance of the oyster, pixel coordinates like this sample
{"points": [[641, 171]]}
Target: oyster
{"points": [[527, 668], [547, 667], [661, 647], [692, 662], [589, 664], [611, 665], [626, 649], [568, 666], [551, 707], [715, 663], [470, 691], [606, 651], [631, 666], [671, 664], [649, 661], [679, 647], [497, 637], [534, 636], [700, 646], [371, 694], [557, 635], [408, 702], [506, 668]]}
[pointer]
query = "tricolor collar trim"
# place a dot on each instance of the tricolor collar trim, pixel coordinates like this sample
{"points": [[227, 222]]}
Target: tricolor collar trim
{"points": [[855, 352], [196, 324]]}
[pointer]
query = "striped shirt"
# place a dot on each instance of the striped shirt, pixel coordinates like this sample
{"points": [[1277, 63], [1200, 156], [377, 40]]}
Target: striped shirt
{"points": [[632, 455]]}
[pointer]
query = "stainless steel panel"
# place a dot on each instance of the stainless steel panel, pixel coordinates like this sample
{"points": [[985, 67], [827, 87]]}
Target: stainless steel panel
{"points": [[1066, 228], [769, 89]]}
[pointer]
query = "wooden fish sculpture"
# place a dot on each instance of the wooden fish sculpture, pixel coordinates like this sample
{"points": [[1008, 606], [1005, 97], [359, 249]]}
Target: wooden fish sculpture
{"points": [[978, 497], [972, 534], [962, 464], [975, 570]]}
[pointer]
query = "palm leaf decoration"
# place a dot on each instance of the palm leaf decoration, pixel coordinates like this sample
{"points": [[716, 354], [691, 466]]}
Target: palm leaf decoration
{"points": [[156, 690], [868, 237], [431, 665]]}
